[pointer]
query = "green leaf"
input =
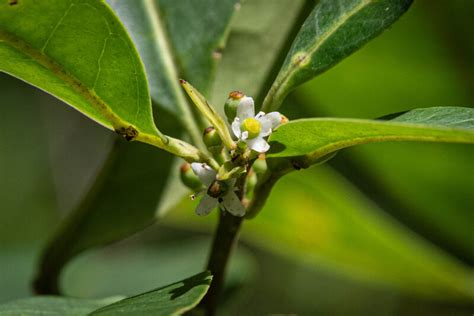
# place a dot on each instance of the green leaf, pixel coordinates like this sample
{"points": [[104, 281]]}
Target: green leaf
{"points": [[209, 113], [426, 78], [174, 299], [171, 49], [92, 66], [334, 30], [312, 139], [54, 306], [148, 181]]}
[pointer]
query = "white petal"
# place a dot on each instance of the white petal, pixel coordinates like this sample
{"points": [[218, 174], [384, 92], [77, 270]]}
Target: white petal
{"points": [[206, 205], [269, 122], [205, 173], [259, 115], [245, 135], [231, 203], [258, 144], [236, 127], [246, 108]]}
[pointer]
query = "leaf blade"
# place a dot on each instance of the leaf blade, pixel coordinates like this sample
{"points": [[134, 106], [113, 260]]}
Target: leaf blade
{"points": [[440, 124], [54, 306], [173, 299], [99, 72], [333, 30]]}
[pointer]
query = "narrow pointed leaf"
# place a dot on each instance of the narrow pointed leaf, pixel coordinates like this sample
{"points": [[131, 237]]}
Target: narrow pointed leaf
{"points": [[53, 306], [92, 66], [174, 299], [318, 137], [210, 113], [333, 30]]}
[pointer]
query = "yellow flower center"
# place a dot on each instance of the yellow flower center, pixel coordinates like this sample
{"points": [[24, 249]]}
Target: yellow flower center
{"points": [[252, 126]]}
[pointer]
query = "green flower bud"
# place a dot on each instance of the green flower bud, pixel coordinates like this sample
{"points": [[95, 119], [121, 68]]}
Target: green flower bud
{"points": [[211, 137], [230, 106], [188, 177], [251, 182], [260, 165]]}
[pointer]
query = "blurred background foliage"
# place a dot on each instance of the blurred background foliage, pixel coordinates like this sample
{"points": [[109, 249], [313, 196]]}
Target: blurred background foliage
{"points": [[381, 227]]}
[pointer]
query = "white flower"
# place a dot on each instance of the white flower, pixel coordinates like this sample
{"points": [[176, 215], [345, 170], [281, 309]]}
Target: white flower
{"points": [[228, 202], [252, 128]]}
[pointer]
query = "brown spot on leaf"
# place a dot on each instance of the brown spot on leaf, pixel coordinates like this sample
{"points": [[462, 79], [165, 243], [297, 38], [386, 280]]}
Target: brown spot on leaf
{"points": [[129, 133], [12, 2]]}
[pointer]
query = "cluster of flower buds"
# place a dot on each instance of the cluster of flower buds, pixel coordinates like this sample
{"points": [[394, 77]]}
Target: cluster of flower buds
{"points": [[250, 132]]}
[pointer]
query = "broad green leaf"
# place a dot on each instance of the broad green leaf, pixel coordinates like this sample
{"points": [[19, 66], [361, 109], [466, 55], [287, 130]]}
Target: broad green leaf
{"points": [[54, 306], [174, 299], [407, 187], [318, 137], [258, 34], [334, 30], [148, 181], [318, 218], [92, 66], [171, 49]]}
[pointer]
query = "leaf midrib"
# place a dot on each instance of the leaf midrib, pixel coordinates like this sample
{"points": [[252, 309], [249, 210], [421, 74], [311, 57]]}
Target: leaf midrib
{"points": [[325, 36], [293, 67], [75, 84]]}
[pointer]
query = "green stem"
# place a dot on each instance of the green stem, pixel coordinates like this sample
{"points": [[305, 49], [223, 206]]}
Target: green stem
{"points": [[223, 244]]}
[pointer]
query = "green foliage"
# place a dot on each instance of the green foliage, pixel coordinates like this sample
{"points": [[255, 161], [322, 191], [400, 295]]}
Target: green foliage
{"points": [[440, 124], [95, 68], [54, 306], [137, 180], [174, 299], [92, 66], [332, 31]]}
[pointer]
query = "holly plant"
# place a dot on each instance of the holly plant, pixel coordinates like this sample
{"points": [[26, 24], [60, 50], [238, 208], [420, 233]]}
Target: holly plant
{"points": [[146, 70]]}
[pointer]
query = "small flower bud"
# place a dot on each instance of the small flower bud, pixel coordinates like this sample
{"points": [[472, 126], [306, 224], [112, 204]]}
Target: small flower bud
{"points": [[230, 106], [251, 182], [260, 165], [188, 177], [211, 137]]}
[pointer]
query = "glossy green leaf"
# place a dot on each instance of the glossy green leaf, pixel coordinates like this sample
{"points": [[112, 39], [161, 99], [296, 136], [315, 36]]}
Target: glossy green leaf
{"points": [[337, 229], [318, 137], [92, 66], [174, 299], [147, 181], [171, 49], [334, 30], [435, 73], [53, 305]]}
